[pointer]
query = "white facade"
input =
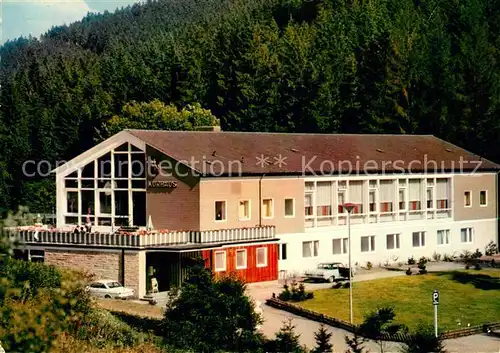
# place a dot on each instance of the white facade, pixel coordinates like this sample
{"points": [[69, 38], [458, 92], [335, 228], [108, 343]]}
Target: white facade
{"points": [[395, 218]]}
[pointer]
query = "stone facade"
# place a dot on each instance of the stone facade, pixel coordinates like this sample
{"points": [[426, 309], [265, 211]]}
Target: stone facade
{"points": [[102, 264]]}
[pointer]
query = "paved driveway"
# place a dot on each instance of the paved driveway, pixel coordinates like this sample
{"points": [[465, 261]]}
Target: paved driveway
{"points": [[273, 318]]}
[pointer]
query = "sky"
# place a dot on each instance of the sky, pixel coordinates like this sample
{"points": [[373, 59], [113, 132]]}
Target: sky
{"points": [[24, 17]]}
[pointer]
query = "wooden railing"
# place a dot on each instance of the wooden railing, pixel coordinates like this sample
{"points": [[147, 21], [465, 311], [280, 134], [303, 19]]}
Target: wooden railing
{"points": [[146, 240]]}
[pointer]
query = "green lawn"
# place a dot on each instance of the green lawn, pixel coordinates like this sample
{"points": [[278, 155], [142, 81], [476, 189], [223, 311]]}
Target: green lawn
{"points": [[471, 297]]}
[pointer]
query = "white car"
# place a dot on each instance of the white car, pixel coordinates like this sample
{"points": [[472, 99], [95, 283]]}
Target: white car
{"points": [[328, 272], [110, 289]]}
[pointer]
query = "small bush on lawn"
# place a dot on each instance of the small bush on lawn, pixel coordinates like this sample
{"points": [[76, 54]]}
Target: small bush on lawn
{"points": [[369, 265], [436, 256], [295, 293], [337, 285], [490, 249], [411, 261], [408, 271], [477, 266], [346, 284], [422, 265]]}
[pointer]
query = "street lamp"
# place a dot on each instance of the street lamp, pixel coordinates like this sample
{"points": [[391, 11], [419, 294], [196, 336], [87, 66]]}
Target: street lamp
{"points": [[349, 207]]}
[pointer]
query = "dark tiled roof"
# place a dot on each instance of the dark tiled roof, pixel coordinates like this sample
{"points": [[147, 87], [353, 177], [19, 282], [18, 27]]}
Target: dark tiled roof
{"points": [[222, 153]]}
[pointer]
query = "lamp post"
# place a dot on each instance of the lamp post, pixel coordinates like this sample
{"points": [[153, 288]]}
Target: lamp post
{"points": [[349, 207]]}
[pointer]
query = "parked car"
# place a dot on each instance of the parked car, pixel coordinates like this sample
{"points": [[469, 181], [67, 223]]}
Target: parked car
{"points": [[110, 289], [330, 272]]}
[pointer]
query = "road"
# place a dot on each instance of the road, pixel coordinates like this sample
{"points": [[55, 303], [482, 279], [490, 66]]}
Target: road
{"points": [[274, 318]]}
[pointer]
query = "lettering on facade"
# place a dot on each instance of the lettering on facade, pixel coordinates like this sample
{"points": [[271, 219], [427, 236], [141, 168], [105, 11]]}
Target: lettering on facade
{"points": [[162, 184]]}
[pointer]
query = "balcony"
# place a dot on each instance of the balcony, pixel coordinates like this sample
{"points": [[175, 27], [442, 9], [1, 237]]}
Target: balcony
{"points": [[175, 238]]}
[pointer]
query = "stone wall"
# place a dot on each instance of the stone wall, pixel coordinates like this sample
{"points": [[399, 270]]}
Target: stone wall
{"points": [[102, 264]]}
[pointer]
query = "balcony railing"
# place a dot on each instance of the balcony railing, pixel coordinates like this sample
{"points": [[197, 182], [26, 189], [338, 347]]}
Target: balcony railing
{"points": [[175, 238]]}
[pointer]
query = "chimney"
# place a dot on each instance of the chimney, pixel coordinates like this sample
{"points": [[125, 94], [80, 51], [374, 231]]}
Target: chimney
{"points": [[208, 128]]}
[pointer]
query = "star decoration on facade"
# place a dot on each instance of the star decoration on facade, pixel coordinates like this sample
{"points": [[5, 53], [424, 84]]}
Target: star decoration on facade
{"points": [[263, 161], [280, 161]]}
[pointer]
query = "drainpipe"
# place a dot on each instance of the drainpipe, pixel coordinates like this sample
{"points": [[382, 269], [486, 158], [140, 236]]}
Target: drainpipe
{"points": [[260, 199]]}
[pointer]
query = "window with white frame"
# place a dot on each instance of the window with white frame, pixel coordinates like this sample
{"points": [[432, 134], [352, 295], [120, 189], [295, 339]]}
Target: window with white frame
{"points": [[220, 261], [324, 199], [467, 235], [340, 246], [309, 200], [220, 211], [402, 194], [241, 259], [341, 201], [267, 208], [415, 194], [443, 237], [310, 248], [392, 241], [443, 193], [290, 207], [108, 191], [467, 199], [418, 239], [282, 251], [386, 196], [372, 196], [261, 257], [356, 196], [368, 243], [483, 198], [429, 195], [244, 210]]}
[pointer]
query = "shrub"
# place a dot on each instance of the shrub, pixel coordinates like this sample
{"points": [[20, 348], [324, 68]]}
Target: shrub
{"points": [[476, 254], [295, 293], [422, 265], [466, 255], [369, 265], [491, 249], [400, 264], [411, 261], [346, 284], [449, 257], [423, 340], [408, 271], [436, 256], [101, 328], [467, 266], [287, 340], [477, 266]]}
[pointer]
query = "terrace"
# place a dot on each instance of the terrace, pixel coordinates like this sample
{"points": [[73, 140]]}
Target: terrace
{"points": [[143, 239]]}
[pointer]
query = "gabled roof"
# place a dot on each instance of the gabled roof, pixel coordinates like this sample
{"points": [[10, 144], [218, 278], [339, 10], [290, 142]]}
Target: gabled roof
{"points": [[216, 153]]}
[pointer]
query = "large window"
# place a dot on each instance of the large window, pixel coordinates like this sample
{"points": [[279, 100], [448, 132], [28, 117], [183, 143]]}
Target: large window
{"points": [[324, 199], [368, 243], [356, 196], [392, 241], [415, 194], [340, 246], [386, 196], [443, 236], [310, 248], [467, 235], [443, 193], [418, 239], [106, 191]]}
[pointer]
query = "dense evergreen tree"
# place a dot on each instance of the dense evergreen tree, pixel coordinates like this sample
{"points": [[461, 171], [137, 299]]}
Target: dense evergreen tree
{"points": [[365, 66]]}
